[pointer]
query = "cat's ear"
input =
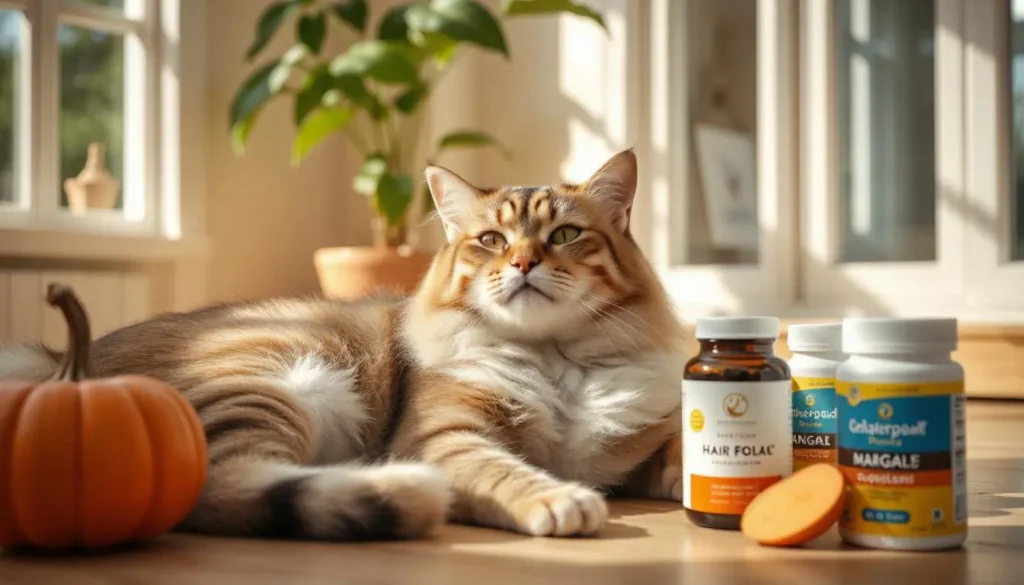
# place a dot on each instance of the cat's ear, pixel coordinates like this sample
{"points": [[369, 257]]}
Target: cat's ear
{"points": [[453, 197], [613, 186]]}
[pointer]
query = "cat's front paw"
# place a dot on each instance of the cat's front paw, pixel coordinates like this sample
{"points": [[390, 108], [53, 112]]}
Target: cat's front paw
{"points": [[671, 484], [563, 510]]}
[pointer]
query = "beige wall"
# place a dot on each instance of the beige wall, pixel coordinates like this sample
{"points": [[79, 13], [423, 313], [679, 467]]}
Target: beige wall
{"points": [[266, 218]]}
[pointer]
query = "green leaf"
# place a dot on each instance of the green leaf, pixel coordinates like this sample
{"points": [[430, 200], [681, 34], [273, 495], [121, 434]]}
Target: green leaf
{"points": [[385, 61], [353, 12], [390, 193], [469, 139], [410, 98], [317, 83], [437, 45], [270, 20], [258, 88], [392, 27], [311, 30], [317, 127], [444, 56], [543, 7], [366, 180], [265, 83], [294, 55], [394, 192], [240, 134], [355, 90], [460, 20]]}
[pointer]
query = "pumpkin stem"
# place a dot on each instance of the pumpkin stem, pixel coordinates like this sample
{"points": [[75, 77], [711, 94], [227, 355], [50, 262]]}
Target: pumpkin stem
{"points": [[76, 363]]}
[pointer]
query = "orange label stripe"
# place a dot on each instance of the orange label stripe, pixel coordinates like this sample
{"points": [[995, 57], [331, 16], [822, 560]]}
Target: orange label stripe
{"points": [[896, 478], [726, 495], [824, 455]]}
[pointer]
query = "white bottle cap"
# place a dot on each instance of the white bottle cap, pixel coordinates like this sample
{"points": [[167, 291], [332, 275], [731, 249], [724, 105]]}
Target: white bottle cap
{"points": [[737, 328], [899, 335], [815, 337]]}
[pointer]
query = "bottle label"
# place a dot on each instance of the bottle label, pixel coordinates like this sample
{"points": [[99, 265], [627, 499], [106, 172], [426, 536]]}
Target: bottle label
{"points": [[902, 448], [814, 421], [737, 440]]}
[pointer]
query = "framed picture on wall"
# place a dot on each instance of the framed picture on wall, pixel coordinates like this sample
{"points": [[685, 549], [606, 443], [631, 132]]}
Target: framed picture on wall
{"points": [[728, 168]]}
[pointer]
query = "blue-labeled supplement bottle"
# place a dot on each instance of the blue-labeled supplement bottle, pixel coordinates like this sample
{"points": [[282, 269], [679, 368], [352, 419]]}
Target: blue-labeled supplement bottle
{"points": [[902, 435], [817, 353]]}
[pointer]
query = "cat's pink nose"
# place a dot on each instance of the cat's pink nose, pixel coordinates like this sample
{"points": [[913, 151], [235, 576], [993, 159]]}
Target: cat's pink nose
{"points": [[524, 262]]}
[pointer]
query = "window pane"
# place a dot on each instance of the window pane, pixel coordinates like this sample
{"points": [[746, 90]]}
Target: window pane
{"points": [[91, 107], [722, 83], [1017, 85], [10, 71], [885, 100]]}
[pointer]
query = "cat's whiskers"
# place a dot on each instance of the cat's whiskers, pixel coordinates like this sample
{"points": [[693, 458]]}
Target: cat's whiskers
{"points": [[621, 308], [587, 311], [621, 323]]}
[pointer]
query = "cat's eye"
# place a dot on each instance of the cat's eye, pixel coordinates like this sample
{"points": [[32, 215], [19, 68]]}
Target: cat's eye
{"points": [[564, 235], [492, 240]]}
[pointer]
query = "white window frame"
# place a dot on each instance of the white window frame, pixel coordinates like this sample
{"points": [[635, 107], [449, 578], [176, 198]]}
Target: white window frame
{"points": [[151, 138], [700, 289], [994, 280]]}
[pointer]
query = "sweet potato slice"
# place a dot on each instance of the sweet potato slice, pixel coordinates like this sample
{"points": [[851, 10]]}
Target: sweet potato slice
{"points": [[796, 509]]}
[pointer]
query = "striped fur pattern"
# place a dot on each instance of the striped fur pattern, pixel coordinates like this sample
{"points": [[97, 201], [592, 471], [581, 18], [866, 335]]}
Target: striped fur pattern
{"points": [[535, 371]]}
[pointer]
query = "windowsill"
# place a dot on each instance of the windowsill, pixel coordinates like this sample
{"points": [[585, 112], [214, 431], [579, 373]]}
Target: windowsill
{"points": [[21, 242]]}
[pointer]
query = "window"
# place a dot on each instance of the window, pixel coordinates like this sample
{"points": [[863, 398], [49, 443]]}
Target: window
{"points": [[821, 159], [722, 142], [882, 157], [80, 97], [885, 129]]}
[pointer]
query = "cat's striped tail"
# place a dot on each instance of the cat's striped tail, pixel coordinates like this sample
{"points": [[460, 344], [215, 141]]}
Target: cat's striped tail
{"points": [[261, 482], [267, 499]]}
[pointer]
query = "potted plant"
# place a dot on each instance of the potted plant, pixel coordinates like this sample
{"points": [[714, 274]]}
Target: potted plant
{"points": [[375, 92]]}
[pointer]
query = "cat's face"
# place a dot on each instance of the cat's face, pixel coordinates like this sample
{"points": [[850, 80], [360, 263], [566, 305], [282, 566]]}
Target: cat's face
{"points": [[536, 259]]}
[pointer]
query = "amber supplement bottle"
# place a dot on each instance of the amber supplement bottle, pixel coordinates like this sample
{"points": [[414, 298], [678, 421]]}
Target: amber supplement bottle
{"points": [[737, 419]]}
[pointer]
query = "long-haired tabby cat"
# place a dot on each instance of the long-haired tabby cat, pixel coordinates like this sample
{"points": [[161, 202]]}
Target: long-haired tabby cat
{"points": [[535, 370]]}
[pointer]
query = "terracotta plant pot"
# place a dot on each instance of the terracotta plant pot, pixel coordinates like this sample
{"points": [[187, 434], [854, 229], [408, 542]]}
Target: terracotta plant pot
{"points": [[357, 271]]}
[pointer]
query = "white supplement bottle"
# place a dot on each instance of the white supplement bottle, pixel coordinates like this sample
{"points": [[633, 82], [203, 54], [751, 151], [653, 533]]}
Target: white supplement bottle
{"points": [[817, 353], [902, 434]]}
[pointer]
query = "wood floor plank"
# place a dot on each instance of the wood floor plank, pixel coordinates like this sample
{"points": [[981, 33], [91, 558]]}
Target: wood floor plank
{"points": [[645, 543]]}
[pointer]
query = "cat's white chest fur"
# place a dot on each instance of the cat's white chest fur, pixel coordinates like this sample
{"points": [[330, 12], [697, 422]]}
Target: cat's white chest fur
{"points": [[575, 404]]}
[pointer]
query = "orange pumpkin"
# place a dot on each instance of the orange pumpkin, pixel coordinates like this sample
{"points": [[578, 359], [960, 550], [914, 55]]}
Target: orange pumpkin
{"points": [[89, 463]]}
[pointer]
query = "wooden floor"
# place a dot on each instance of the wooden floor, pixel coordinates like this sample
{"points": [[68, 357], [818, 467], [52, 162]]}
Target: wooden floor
{"points": [[645, 543]]}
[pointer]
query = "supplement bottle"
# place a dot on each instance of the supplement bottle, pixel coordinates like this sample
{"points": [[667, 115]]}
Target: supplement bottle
{"points": [[902, 434], [816, 355], [737, 432]]}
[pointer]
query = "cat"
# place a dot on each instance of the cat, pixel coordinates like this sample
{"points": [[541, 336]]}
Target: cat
{"points": [[534, 372]]}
